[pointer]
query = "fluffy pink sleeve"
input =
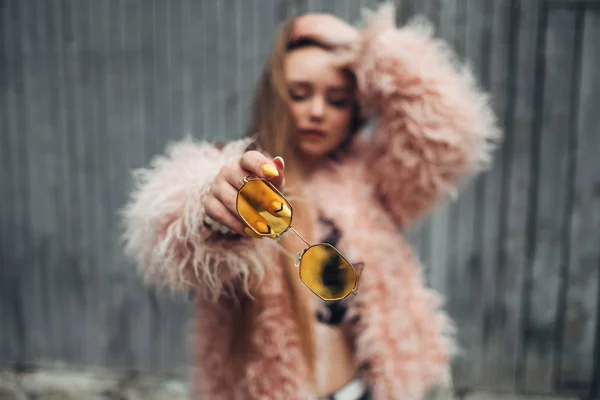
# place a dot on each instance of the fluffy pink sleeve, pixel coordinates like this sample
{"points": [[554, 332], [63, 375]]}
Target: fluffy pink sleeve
{"points": [[434, 125], [163, 223]]}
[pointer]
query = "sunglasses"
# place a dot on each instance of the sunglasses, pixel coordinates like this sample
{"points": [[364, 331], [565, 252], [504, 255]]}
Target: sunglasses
{"points": [[322, 268]]}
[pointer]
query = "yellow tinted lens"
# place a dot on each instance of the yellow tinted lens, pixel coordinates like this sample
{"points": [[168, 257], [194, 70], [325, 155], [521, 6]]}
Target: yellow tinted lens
{"points": [[263, 208], [327, 273]]}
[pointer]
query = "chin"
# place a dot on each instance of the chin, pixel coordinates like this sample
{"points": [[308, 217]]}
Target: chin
{"points": [[315, 150]]}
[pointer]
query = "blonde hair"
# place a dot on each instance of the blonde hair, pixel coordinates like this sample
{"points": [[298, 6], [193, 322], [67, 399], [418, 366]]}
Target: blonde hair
{"points": [[271, 122], [270, 125]]}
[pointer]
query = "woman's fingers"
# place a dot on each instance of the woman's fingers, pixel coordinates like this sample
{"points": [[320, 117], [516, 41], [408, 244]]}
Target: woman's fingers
{"points": [[222, 203], [227, 195], [326, 29], [252, 217], [216, 210], [257, 164], [260, 195]]}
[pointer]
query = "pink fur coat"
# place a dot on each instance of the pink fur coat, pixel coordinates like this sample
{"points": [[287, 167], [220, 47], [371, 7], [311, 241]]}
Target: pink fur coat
{"points": [[434, 126]]}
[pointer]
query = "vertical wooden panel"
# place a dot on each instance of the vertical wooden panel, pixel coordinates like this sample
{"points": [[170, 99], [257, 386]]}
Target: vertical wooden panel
{"points": [[188, 66], [100, 35], [11, 301], [47, 226], [6, 345], [513, 251], [152, 31], [471, 26], [579, 331], [247, 71], [500, 293], [86, 134], [240, 86], [168, 126], [551, 185], [176, 44], [71, 296], [199, 40], [227, 61], [118, 344], [264, 20]]}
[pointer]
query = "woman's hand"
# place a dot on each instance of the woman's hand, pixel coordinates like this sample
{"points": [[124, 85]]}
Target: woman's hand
{"points": [[325, 29], [220, 202]]}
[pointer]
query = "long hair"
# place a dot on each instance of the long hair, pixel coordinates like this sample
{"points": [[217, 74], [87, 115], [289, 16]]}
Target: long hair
{"points": [[271, 125]]}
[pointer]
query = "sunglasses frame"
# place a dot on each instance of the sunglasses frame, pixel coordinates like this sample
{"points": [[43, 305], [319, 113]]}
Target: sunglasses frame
{"points": [[300, 254]]}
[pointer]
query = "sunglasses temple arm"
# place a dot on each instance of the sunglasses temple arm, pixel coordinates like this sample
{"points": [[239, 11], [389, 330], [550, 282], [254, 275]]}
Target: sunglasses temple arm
{"points": [[360, 271], [300, 236]]}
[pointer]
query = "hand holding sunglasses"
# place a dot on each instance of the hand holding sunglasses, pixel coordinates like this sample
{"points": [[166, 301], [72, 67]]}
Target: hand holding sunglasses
{"points": [[322, 268]]}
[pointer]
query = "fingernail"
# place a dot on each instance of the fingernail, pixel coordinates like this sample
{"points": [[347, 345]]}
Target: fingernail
{"points": [[262, 227], [251, 233], [281, 209], [270, 170], [280, 160]]}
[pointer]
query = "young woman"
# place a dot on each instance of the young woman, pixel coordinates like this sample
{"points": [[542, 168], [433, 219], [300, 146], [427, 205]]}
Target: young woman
{"points": [[260, 332]]}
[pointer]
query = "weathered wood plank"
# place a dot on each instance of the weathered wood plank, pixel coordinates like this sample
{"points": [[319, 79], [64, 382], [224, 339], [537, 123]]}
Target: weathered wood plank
{"points": [[70, 287], [463, 222], [147, 37], [188, 64], [513, 255], [243, 40], [318, 6], [44, 135], [211, 73], [10, 279], [196, 57], [551, 185], [175, 48], [579, 331], [14, 332], [133, 155], [498, 311], [227, 61], [93, 140], [79, 173], [5, 197], [264, 20], [113, 133]]}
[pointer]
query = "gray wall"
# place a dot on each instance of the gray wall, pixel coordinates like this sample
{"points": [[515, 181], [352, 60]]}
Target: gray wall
{"points": [[90, 89]]}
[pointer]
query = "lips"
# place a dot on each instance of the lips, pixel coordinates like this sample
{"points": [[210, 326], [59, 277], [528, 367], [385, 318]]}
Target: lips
{"points": [[313, 134]]}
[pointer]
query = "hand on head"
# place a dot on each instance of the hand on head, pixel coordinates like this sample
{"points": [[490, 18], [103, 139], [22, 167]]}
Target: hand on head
{"points": [[326, 30], [220, 202]]}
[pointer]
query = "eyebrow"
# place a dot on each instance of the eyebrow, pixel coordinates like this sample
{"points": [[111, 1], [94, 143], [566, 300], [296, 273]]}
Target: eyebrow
{"points": [[336, 87]]}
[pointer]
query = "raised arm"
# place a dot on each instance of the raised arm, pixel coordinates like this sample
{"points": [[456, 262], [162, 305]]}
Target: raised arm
{"points": [[163, 223], [434, 125]]}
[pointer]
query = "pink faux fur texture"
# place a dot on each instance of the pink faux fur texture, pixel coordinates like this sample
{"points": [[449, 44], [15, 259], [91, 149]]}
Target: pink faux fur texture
{"points": [[275, 364], [403, 340], [434, 128], [163, 223], [435, 125]]}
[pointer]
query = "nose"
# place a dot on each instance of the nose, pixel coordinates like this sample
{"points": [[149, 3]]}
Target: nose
{"points": [[317, 108]]}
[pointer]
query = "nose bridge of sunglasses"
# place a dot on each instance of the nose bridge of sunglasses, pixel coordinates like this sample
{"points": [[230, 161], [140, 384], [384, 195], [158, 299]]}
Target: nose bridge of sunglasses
{"points": [[263, 208]]}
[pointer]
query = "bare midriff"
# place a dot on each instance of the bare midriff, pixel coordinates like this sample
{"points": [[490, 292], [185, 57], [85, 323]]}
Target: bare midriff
{"points": [[337, 358]]}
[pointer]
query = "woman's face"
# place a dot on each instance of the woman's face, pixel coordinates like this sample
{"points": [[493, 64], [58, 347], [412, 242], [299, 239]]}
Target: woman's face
{"points": [[321, 99]]}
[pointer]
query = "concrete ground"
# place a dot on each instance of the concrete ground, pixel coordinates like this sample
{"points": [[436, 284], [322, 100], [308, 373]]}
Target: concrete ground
{"points": [[60, 384], [74, 385]]}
